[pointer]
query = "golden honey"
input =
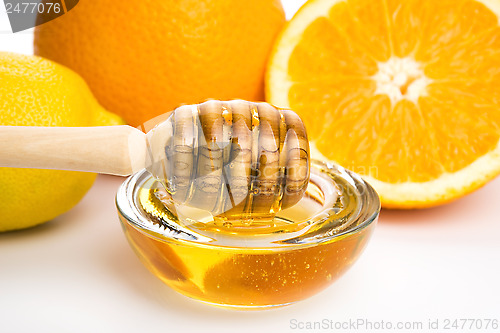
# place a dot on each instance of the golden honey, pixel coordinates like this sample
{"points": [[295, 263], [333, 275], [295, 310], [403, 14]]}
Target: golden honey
{"points": [[253, 263]]}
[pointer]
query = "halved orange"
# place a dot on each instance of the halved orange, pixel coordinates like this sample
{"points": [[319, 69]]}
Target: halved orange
{"points": [[404, 92]]}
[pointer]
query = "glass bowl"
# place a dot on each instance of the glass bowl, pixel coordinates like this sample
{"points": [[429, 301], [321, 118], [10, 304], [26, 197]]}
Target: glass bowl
{"points": [[305, 250]]}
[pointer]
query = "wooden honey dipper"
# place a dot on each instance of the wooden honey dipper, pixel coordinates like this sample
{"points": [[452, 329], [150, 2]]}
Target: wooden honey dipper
{"points": [[229, 158]]}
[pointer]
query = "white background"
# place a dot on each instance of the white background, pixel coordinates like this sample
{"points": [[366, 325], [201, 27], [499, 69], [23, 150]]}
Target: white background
{"points": [[78, 274]]}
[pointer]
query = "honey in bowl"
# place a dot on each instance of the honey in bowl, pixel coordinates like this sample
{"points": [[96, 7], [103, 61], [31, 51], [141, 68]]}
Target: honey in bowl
{"points": [[245, 263]]}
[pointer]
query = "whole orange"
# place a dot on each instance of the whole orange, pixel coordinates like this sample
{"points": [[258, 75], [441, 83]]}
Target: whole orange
{"points": [[144, 58]]}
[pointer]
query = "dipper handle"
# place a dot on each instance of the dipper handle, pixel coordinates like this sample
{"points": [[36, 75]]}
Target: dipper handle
{"points": [[115, 150]]}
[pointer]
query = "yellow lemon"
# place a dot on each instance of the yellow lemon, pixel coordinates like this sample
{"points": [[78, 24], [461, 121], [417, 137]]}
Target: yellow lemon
{"points": [[37, 92]]}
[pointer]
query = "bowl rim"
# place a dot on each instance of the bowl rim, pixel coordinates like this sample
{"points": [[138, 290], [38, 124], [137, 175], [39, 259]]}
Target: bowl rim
{"points": [[124, 198]]}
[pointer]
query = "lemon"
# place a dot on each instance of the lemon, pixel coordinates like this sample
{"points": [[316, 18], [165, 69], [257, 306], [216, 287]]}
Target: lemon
{"points": [[37, 92]]}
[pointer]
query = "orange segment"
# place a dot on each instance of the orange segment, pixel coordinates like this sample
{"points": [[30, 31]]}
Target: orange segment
{"points": [[314, 98], [408, 17], [354, 20], [403, 92], [333, 53], [449, 24]]}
